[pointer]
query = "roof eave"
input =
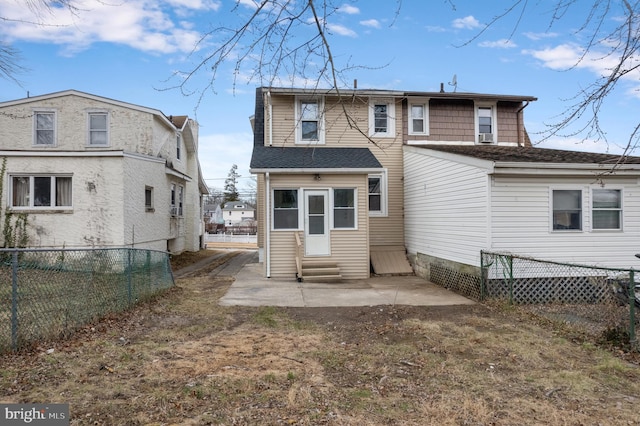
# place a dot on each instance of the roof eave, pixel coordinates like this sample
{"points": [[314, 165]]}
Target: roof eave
{"points": [[310, 170]]}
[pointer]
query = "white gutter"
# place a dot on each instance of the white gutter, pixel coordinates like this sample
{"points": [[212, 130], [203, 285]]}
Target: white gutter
{"points": [[334, 171], [267, 226]]}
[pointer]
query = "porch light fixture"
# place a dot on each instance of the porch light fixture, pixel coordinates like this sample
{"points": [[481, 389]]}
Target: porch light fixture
{"points": [[316, 176]]}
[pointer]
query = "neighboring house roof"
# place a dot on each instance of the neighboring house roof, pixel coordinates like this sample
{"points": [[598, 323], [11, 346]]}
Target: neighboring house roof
{"points": [[304, 158], [533, 155]]}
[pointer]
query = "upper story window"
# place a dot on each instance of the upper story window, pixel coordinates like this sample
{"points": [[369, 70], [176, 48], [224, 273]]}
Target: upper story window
{"points": [[382, 118], [567, 209], [178, 146], [309, 126], [44, 128], [606, 209], [40, 192], [419, 117], [148, 198], [485, 122], [98, 129]]}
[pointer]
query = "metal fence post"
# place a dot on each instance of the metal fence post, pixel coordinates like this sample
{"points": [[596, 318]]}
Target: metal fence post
{"points": [[632, 309], [482, 275], [14, 300], [129, 267]]}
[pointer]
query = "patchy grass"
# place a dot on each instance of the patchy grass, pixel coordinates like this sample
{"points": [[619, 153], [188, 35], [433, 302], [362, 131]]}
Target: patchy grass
{"points": [[183, 359]]}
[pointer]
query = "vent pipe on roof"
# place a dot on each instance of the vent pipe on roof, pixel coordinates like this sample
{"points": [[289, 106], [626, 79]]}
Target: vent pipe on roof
{"points": [[355, 83], [441, 87]]}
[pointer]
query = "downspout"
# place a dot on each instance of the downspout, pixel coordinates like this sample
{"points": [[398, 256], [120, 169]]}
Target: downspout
{"points": [[520, 134], [267, 225], [270, 112]]}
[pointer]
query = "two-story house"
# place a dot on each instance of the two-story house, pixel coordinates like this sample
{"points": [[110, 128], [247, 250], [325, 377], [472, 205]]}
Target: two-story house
{"points": [[96, 172], [236, 213], [350, 179], [329, 173]]}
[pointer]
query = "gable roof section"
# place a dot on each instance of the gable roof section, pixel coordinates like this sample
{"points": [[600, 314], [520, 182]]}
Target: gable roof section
{"points": [[78, 93], [531, 160], [301, 159]]}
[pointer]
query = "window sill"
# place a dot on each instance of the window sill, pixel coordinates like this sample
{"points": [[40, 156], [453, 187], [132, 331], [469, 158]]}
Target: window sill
{"points": [[31, 210], [149, 210]]}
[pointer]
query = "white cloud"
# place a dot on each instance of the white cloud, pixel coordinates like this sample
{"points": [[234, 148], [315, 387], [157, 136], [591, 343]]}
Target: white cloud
{"points": [[348, 9], [341, 30], [372, 23], [540, 36], [501, 44], [140, 24], [466, 23]]}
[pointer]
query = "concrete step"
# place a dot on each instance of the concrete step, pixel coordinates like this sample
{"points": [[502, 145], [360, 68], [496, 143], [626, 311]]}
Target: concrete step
{"points": [[322, 278], [306, 272]]}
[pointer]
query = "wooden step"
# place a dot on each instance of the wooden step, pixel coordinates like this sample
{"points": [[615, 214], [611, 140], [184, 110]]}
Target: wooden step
{"points": [[320, 272]]}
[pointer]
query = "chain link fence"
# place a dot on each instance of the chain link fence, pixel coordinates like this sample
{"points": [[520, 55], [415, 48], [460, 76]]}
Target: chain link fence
{"points": [[599, 302], [47, 294]]}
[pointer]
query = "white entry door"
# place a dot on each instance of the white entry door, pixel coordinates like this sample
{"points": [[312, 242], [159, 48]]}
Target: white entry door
{"points": [[316, 222]]}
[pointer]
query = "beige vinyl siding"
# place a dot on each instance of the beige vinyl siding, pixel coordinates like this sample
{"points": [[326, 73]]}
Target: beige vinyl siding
{"points": [[518, 201], [349, 248], [446, 208], [386, 230]]}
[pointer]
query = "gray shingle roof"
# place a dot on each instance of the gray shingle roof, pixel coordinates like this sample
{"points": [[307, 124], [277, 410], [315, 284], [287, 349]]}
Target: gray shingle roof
{"points": [[532, 154], [264, 157]]}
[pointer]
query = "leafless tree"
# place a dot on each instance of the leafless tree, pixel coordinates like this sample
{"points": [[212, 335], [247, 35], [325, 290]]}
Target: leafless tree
{"points": [[291, 39], [10, 58]]}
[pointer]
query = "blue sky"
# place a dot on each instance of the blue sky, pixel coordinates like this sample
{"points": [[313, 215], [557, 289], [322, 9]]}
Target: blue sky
{"points": [[130, 50]]}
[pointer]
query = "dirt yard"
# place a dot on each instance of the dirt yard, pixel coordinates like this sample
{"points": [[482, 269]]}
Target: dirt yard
{"points": [[184, 360]]}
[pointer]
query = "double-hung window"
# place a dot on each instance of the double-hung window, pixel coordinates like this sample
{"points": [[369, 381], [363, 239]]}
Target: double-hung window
{"points": [[418, 117], [377, 194], [567, 209], [309, 126], [178, 146], [44, 128], [606, 209], [382, 119], [148, 198], [285, 209], [485, 123], [344, 208], [98, 129], [41, 192]]}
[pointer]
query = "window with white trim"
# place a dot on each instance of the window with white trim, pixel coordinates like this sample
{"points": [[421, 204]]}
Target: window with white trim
{"points": [[567, 209], [178, 146], [419, 117], [41, 192], [377, 194], [98, 128], [344, 208], [309, 125], [606, 209], [382, 121], [44, 123], [180, 200], [285, 209], [486, 123]]}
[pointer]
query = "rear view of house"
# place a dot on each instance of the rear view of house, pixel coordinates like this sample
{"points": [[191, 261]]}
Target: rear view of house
{"points": [[329, 173], [89, 171]]}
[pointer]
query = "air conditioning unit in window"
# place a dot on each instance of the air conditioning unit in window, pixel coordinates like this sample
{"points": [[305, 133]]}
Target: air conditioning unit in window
{"points": [[485, 138]]}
